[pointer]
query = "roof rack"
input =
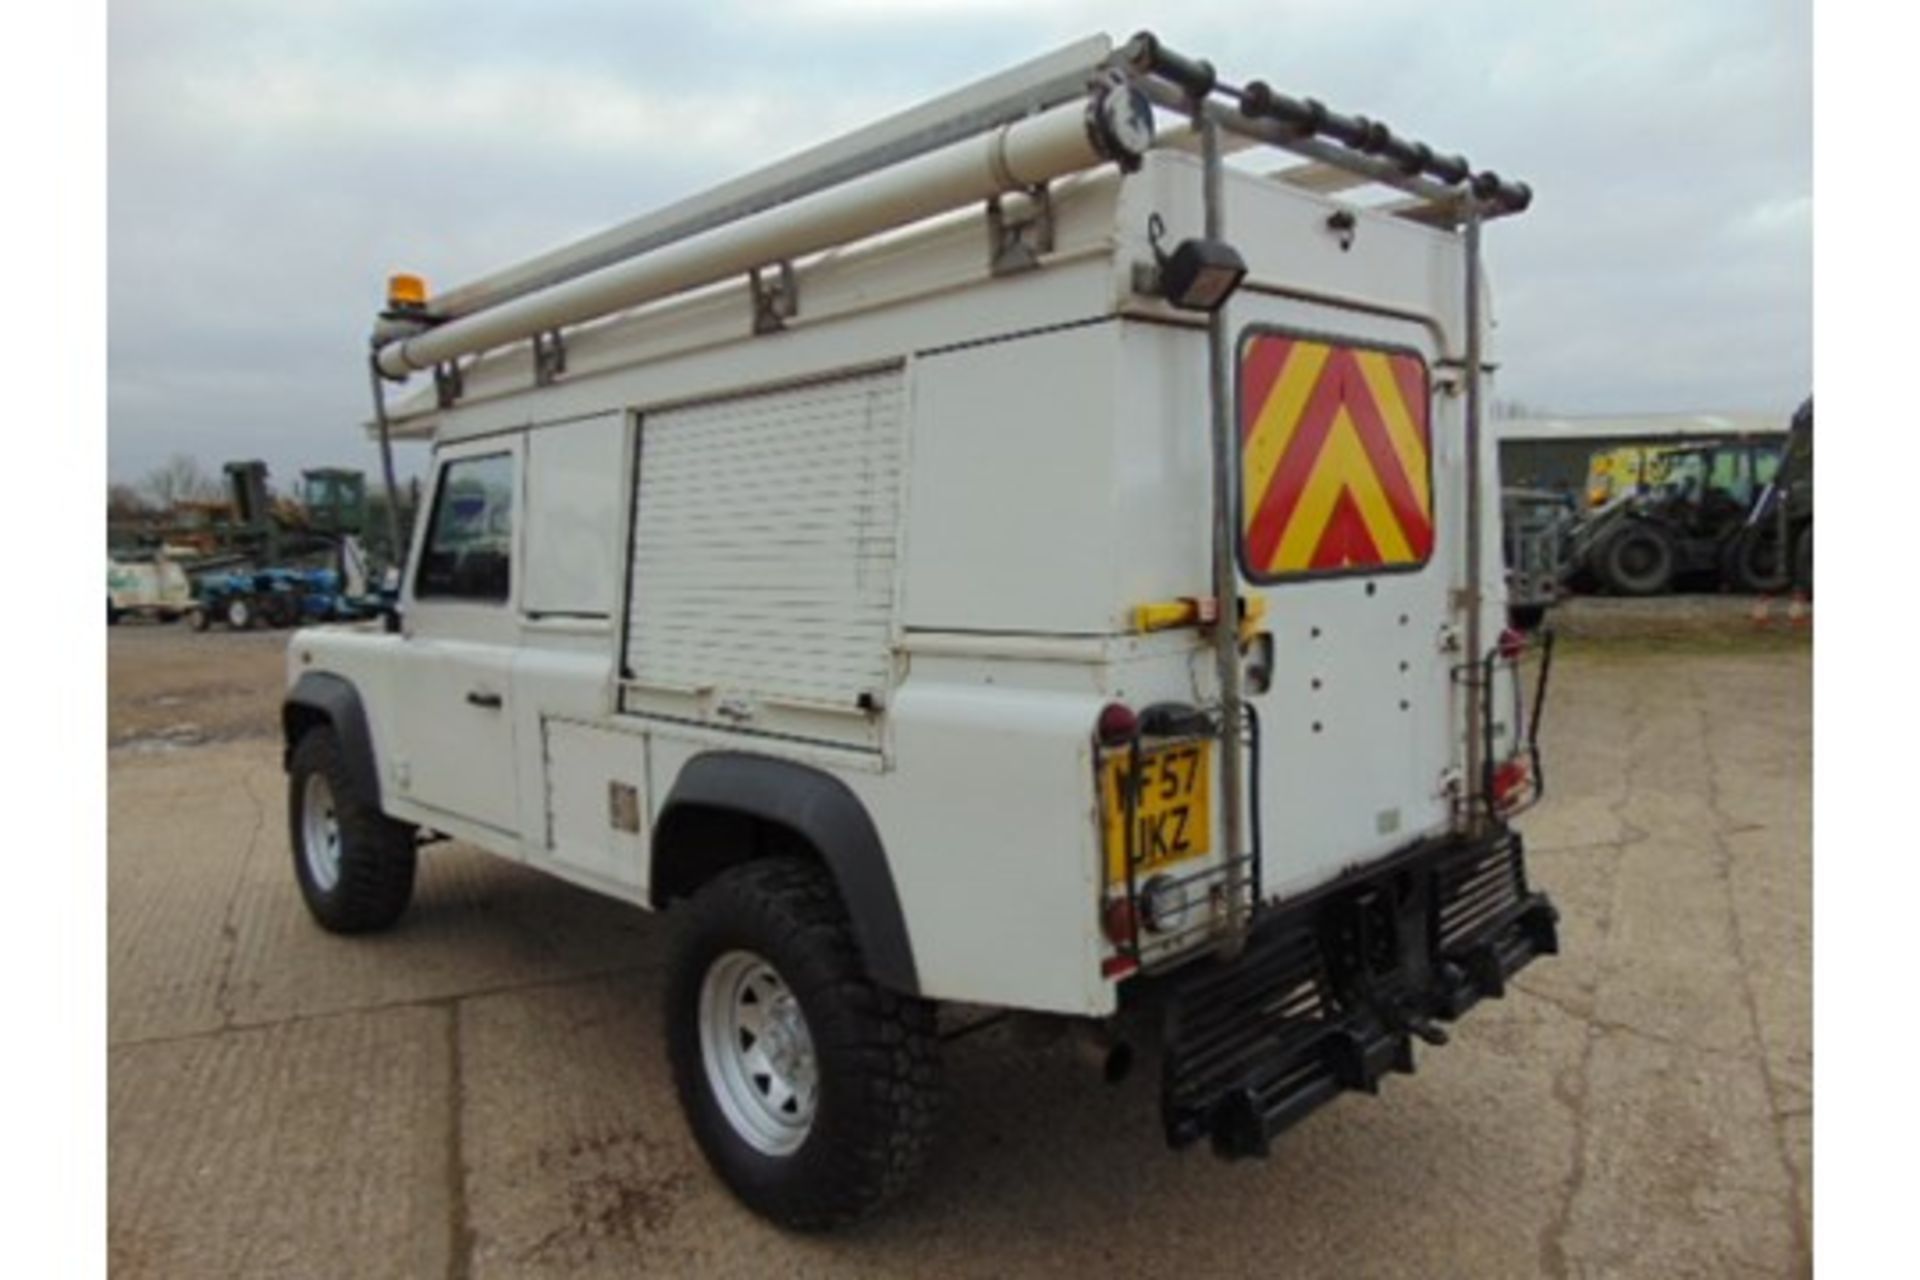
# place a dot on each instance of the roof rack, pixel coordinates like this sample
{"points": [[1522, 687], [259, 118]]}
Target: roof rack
{"points": [[1086, 104]]}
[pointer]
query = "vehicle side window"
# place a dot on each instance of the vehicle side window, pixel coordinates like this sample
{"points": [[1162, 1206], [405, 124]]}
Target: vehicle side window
{"points": [[469, 552]]}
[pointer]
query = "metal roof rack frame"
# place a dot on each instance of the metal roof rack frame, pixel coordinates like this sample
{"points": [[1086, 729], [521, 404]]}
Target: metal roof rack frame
{"points": [[1342, 151]]}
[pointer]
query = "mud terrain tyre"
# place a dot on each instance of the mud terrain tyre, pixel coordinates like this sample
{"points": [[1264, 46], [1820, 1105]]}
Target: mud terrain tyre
{"points": [[812, 1091], [354, 864], [1637, 561]]}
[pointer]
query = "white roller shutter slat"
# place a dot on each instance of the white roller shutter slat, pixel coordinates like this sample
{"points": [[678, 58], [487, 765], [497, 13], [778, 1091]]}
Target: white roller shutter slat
{"points": [[766, 532]]}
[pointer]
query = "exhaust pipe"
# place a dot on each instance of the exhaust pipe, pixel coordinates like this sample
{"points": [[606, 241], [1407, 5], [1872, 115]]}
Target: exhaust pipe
{"points": [[1099, 1046]]}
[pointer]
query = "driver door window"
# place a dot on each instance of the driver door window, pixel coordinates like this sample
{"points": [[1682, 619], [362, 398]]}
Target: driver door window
{"points": [[469, 551]]}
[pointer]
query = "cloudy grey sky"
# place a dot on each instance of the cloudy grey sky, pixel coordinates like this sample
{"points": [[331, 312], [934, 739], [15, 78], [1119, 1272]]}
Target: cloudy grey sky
{"points": [[271, 162]]}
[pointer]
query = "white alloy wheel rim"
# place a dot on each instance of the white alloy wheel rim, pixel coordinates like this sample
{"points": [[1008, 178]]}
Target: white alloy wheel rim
{"points": [[758, 1053], [320, 832]]}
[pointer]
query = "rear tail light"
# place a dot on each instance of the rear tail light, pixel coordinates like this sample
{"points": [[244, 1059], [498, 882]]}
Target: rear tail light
{"points": [[1513, 643], [1117, 725], [1509, 782], [1120, 922]]}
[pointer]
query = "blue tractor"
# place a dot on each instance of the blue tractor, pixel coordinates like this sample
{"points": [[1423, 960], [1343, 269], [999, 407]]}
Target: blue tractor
{"points": [[276, 597]]}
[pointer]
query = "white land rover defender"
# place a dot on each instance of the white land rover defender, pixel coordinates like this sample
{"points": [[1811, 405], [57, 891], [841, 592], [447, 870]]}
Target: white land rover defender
{"points": [[1039, 551]]}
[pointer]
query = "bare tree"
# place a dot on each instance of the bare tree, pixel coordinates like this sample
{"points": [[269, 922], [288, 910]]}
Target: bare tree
{"points": [[1518, 409], [124, 502], [180, 479]]}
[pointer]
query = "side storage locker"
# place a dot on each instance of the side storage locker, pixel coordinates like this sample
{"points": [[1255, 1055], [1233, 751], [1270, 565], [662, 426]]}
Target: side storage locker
{"points": [[766, 540]]}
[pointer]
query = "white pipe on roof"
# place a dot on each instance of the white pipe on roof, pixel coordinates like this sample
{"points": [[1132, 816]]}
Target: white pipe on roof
{"points": [[1016, 92], [1026, 153]]}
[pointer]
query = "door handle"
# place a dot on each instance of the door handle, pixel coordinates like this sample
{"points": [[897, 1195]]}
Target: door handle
{"points": [[481, 698]]}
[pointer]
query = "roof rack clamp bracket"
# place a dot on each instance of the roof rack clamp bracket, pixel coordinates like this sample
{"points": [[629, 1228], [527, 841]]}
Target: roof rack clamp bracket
{"points": [[776, 296], [448, 385], [549, 357], [1016, 243]]}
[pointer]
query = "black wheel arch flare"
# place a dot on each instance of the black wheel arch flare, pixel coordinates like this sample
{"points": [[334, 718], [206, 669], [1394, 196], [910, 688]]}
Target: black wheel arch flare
{"points": [[319, 697], [812, 806]]}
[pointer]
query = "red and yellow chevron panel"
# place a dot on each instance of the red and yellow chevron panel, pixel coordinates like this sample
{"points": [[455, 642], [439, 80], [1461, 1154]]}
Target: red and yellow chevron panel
{"points": [[1334, 457]]}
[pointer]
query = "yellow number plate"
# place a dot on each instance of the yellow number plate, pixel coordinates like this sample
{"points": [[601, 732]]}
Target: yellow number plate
{"points": [[1173, 818]]}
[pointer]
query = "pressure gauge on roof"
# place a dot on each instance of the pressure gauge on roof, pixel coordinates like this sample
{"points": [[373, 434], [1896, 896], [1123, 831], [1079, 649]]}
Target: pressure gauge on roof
{"points": [[1120, 121]]}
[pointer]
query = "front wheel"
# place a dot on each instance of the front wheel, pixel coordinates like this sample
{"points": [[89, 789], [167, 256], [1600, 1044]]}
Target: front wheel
{"points": [[811, 1090], [241, 614], [1754, 564], [354, 864]]}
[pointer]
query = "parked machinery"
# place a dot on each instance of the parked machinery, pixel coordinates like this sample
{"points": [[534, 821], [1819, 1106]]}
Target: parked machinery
{"points": [[1681, 522], [268, 577], [1774, 549], [146, 586], [1534, 525]]}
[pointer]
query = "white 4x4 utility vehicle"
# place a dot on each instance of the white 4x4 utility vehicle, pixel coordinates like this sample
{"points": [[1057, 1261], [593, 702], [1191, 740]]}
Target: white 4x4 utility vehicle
{"points": [[1008, 555]]}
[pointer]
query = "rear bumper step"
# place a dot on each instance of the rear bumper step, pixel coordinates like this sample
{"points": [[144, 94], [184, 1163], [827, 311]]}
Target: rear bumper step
{"points": [[1332, 990]]}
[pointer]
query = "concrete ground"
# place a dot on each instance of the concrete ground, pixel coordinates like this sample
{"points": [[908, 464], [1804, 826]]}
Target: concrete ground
{"points": [[483, 1091]]}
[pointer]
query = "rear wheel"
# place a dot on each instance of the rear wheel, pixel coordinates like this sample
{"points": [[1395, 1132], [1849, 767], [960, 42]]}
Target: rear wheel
{"points": [[198, 619], [1803, 562], [113, 614], [241, 614], [811, 1090], [1637, 561], [1754, 563], [353, 863]]}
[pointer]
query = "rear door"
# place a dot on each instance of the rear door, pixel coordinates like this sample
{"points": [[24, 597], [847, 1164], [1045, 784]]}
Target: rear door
{"points": [[1349, 523]]}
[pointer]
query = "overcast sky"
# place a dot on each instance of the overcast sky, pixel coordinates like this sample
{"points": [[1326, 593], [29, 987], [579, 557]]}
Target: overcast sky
{"points": [[270, 161]]}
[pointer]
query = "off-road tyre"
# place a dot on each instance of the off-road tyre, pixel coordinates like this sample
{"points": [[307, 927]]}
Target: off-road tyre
{"points": [[376, 855], [1638, 560], [241, 613], [199, 619], [877, 1051], [1754, 564]]}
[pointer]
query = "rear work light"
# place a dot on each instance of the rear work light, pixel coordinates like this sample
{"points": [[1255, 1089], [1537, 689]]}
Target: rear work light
{"points": [[1201, 274]]}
